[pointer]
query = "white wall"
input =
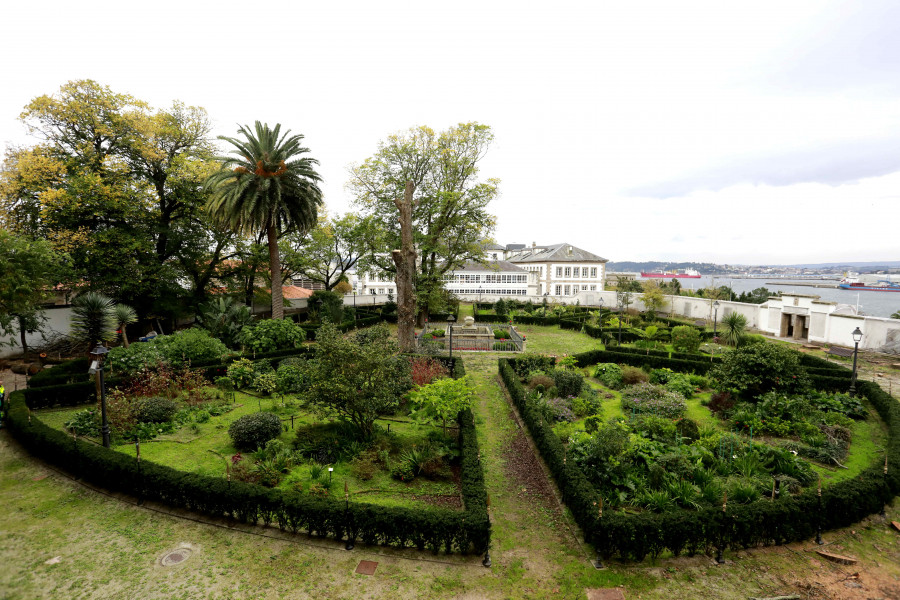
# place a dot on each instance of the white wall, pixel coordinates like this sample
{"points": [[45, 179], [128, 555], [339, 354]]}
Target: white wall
{"points": [[58, 322]]}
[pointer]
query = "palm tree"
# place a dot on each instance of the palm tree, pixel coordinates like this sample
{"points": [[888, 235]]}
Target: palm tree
{"points": [[734, 328], [124, 316], [93, 318], [266, 186]]}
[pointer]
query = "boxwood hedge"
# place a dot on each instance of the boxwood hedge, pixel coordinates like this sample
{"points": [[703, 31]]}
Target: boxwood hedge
{"points": [[741, 526]]}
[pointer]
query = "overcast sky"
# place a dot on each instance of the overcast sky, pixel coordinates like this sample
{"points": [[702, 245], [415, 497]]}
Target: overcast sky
{"points": [[754, 132]]}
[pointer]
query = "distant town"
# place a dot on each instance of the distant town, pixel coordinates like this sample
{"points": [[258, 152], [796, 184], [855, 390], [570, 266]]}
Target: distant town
{"points": [[798, 270]]}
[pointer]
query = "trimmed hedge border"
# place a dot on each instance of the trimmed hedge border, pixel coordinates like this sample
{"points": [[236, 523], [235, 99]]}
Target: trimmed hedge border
{"points": [[430, 528], [760, 523]]}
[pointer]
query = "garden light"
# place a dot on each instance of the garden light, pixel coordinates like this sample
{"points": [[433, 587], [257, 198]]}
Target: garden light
{"points": [[857, 337], [97, 355]]}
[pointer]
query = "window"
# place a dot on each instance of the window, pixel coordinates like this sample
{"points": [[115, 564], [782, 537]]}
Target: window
{"points": [[494, 256], [568, 271], [559, 271], [575, 272], [558, 290], [593, 288], [568, 289], [593, 272], [373, 290], [584, 272], [584, 288]]}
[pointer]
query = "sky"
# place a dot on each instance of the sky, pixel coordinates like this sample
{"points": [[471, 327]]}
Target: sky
{"points": [[730, 132]]}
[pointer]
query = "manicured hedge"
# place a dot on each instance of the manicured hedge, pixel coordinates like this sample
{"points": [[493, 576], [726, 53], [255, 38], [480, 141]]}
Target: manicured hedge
{"points": [[760, 523], [640, 358], [425, 528]]}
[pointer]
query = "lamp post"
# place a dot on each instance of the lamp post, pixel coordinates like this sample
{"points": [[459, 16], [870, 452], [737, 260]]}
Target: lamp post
{"points": [[857, 337], [97, 355], [715, 319], [451, 319]]}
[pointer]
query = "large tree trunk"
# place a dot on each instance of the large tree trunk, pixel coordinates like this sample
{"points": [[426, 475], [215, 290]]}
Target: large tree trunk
{"points": [[405, 260], [22, 337], [275, 262]]}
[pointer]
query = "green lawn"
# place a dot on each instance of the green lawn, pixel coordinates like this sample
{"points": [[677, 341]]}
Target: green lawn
{"points": [[206, 448]]}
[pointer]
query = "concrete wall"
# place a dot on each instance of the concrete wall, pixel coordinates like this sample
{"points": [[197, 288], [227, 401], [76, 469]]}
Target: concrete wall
{"points": [[58, 318]]}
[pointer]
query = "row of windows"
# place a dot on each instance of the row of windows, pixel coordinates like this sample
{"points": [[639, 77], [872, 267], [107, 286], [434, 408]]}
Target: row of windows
{"points": [[576, 272], [566, 290], [472, 292], [488, 278]]}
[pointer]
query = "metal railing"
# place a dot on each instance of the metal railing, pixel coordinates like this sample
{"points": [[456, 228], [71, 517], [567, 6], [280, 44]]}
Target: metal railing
{"points": [[463, 343]]}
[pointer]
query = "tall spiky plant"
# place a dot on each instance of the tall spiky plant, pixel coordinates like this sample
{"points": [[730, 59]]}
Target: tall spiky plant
{"points": [[124, 316], [93, 318], [267, 185], [734, 328]]}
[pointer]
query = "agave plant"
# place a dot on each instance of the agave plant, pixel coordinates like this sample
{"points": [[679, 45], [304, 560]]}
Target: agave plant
{"points": [[93, 318]]}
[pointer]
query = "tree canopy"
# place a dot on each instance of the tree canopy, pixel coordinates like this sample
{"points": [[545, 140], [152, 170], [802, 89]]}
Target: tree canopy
{"points": [[450, 203], [266, 185]]}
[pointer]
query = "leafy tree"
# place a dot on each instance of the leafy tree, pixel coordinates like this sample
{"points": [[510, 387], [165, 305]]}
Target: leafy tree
{"points": [[324, 305], [93, 318], [734, 328], [685, 338], [267, 185], [450, 218], [653, 298], [28, 270], [224, 318], [754, 369], [326, 253], [115, 182], [358, 378], [443, 398]]}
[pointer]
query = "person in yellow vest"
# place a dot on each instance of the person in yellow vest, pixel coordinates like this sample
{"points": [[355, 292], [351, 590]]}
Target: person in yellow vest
{"points": [[2, 403]]}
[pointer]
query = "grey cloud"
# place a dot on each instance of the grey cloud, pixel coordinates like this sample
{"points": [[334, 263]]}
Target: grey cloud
{"points": [[834, 164]]}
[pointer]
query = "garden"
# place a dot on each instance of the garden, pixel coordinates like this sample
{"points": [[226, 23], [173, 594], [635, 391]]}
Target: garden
{"points": [[347, 422], [659, 450]]}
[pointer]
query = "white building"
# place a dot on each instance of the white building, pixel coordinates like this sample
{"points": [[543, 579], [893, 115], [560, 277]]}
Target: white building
{"points": [[497, 278], [561, 269]]}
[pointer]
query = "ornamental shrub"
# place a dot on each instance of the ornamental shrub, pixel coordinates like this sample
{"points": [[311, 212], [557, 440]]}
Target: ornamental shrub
{"points": [[653, 399], [751, 371], [137, 357], [252, 431], [156, 410], [568, 383], [271, 335], [610, 374], [266, 383], [679, 382], [188, 346], [84, 422], [685, 339], [500, 334], [289, 379], [633, 375], [528, 363], [242, 373]]}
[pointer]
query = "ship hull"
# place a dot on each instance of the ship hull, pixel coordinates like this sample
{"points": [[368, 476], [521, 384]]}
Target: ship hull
{"points": [[866, 288]]}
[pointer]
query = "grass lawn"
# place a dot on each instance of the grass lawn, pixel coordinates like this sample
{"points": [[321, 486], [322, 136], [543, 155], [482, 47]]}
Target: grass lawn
{"points": [[206, 448]]}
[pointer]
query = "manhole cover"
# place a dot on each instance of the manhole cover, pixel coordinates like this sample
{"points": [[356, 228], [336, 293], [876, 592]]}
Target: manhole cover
{"points": [[175, 556], [366, 567]]}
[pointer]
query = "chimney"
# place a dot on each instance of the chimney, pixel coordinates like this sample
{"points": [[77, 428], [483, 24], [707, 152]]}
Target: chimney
{"points": [[569, 250]]}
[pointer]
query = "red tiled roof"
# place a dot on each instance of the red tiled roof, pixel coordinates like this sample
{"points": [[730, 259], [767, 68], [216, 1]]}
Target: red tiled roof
{"points": [[293, 292]]}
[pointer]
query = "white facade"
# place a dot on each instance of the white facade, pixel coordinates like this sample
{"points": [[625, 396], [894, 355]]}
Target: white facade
{"points": [[562, 270]]}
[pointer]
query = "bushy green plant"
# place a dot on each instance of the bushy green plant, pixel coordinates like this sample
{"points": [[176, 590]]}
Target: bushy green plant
{"points": [[326, 305], [271, 335], [753, 370], [242, 373], [679, 382], [586, 404], [660, 376], [188, 346], [137, 357], [568, 383], [685, 338], [224, 318], [156, 410], [501, 334], [266, 383], [610, 374], [528, 363], [85, 422], [225, 383], [254, 430], [289, 379]]}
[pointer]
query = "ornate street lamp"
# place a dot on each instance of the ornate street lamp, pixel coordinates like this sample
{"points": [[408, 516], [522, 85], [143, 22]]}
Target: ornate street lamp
{"points": [[98, 355], [451, 319], [857, 338]]}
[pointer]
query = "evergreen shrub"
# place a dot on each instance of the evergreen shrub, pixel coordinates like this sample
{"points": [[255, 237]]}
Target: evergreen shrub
{"points": [[254, 430]]}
